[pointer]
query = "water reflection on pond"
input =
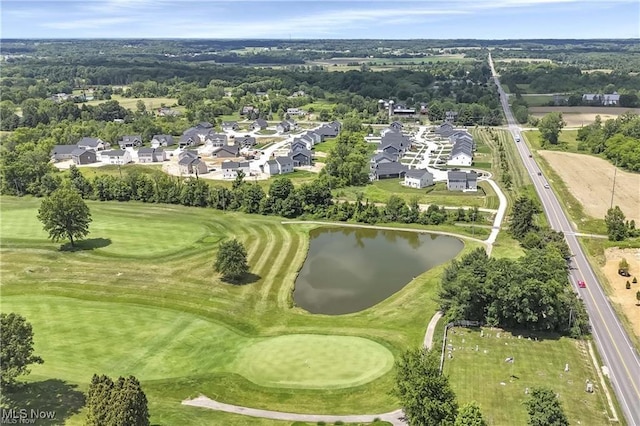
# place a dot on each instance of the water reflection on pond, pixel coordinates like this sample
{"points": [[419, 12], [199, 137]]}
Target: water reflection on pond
{"points": [[350, 269]]}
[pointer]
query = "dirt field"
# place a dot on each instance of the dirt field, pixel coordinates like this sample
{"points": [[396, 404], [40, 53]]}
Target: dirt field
{"points": [[624, 298], [590, 180], [582, 115]]}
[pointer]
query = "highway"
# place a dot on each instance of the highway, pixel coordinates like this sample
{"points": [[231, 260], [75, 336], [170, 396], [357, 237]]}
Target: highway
{"points": [[614, 346]]}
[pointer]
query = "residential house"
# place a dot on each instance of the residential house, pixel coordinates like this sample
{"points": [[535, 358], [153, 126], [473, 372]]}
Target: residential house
{"points": [[230, 125], [418, 178], [230, 169], [292, 123], [302, 158], [245, 141], [450, 116], [327, 131], [299, 144], [62, 152], [95, 144], [83, 156], [383, 157], [295, 111], [278, 166], [388, 130], [215, 140], [445, 129], [599, 99], [226, 151], [117, 156], [188, 140], [401, 109], [315, 137], [167, 112], [259, 124], [462, 181], [161, 141], [388, 171], [151, 155], [283, 127], [189, 163], [461, 152], [249, 109], [130, 141]]}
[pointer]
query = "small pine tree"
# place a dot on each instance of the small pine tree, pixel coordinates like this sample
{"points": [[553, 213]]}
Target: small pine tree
{"points": [[99, 400], [628, 285], [638, 297], [635, 280]]}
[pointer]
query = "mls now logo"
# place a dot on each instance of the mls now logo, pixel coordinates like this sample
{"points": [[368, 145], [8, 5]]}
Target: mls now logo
{"points": [[24, 416]]}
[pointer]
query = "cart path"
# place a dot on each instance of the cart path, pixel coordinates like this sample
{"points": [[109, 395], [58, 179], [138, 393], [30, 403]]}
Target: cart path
{"points": [[393, 417]]}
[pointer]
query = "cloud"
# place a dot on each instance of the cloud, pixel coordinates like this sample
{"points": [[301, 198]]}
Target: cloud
{"points": [[93, 23]]}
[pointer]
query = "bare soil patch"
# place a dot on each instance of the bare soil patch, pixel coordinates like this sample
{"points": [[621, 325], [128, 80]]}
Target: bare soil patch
{"points": [[625, 299], [590, 180]]}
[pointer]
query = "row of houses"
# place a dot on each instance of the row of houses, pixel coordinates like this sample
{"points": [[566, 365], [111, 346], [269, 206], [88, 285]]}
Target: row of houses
{"points": [[385, 163], [462, 143]]}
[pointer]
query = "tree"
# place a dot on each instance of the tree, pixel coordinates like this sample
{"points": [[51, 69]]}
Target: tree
{"points": [[16, 351], [521, 220], [79, 182], [115, 404], [231, 260], [65, 215], [544, 409], [616, 227], [550, 126], [424, 393], [470, 415], [638, 297], [623, 266]]}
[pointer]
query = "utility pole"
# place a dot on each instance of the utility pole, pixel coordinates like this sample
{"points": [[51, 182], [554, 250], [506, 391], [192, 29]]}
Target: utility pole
{"points": [[613, 189]]}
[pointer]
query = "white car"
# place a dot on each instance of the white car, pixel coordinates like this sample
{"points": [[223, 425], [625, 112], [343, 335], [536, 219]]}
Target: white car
{"points": [[546, 185]]}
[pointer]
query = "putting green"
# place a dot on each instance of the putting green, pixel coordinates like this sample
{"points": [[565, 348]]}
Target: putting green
{"points": [[313, 361], [78, 338]]}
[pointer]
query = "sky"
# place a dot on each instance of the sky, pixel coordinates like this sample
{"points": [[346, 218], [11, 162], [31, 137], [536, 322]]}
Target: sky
{"points": [[312, 19]]}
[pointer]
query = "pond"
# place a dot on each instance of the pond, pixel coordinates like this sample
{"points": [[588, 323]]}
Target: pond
{"points": [[350, 269]]}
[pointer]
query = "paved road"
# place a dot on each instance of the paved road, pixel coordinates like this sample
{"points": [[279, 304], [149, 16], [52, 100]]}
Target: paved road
{"points": [[614, 346]]}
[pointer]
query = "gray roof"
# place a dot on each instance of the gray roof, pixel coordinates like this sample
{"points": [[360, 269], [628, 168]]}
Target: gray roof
{"points": [[114, 153], [130, 138], [204, 125], [92, 142], [457, 176], [418, 173], [383, 155], [63, 149], [186, 160], [146, 151], [161, 138], [272, 162], [327, 130], [283, 161], [260, 122], [245, 140], [229, 123], [231, 149], [79, 151], [461, 149], [304, 152], [445, 129], [189, 153], [231, 165], [385, 169]]}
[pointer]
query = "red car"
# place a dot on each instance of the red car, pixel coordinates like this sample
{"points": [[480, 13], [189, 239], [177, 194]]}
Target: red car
{"points": [[582, 284]]}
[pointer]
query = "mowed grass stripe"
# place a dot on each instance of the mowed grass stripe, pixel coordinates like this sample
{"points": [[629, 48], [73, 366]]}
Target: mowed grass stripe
{"points": [[259, 256], [297, 254], [281, 248]]}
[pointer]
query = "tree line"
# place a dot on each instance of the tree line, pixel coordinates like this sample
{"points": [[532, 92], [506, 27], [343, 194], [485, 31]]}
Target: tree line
{"points": [[617, 139]]}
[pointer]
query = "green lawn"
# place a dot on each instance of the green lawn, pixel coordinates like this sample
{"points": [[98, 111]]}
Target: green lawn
{"points": [[537, 100], [141, 297], [499, 387], [379, 192], [566, 141], [325, 146]]}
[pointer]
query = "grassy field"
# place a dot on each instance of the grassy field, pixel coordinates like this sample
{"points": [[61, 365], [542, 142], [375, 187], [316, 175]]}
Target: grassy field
{"points": [[484, 376], [538, 100], [379, 192], [142, 285], [150, 103], [579, 116]]}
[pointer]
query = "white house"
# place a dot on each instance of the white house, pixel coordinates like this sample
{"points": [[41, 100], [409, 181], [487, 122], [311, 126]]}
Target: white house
{"points": [[278, 166], [230, 169], [418, 178], [117, 156]]}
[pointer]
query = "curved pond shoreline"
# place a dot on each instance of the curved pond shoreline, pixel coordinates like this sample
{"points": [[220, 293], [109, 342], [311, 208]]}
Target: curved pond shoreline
{"points": [[349, 269]]}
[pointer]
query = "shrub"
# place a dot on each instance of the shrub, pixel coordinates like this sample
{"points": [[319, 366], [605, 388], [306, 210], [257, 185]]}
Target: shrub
{"points": [[635, 280], [628, 285]]}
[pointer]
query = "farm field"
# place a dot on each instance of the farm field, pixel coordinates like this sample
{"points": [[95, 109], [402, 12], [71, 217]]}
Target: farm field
{"points": [[142, 284], [619, 295], [590, 180], [485, 377], [150, 103], [581, 115]]}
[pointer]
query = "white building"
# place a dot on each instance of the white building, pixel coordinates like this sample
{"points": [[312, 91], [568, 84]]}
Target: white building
{"points": [[117, 156], [418, 178]]}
